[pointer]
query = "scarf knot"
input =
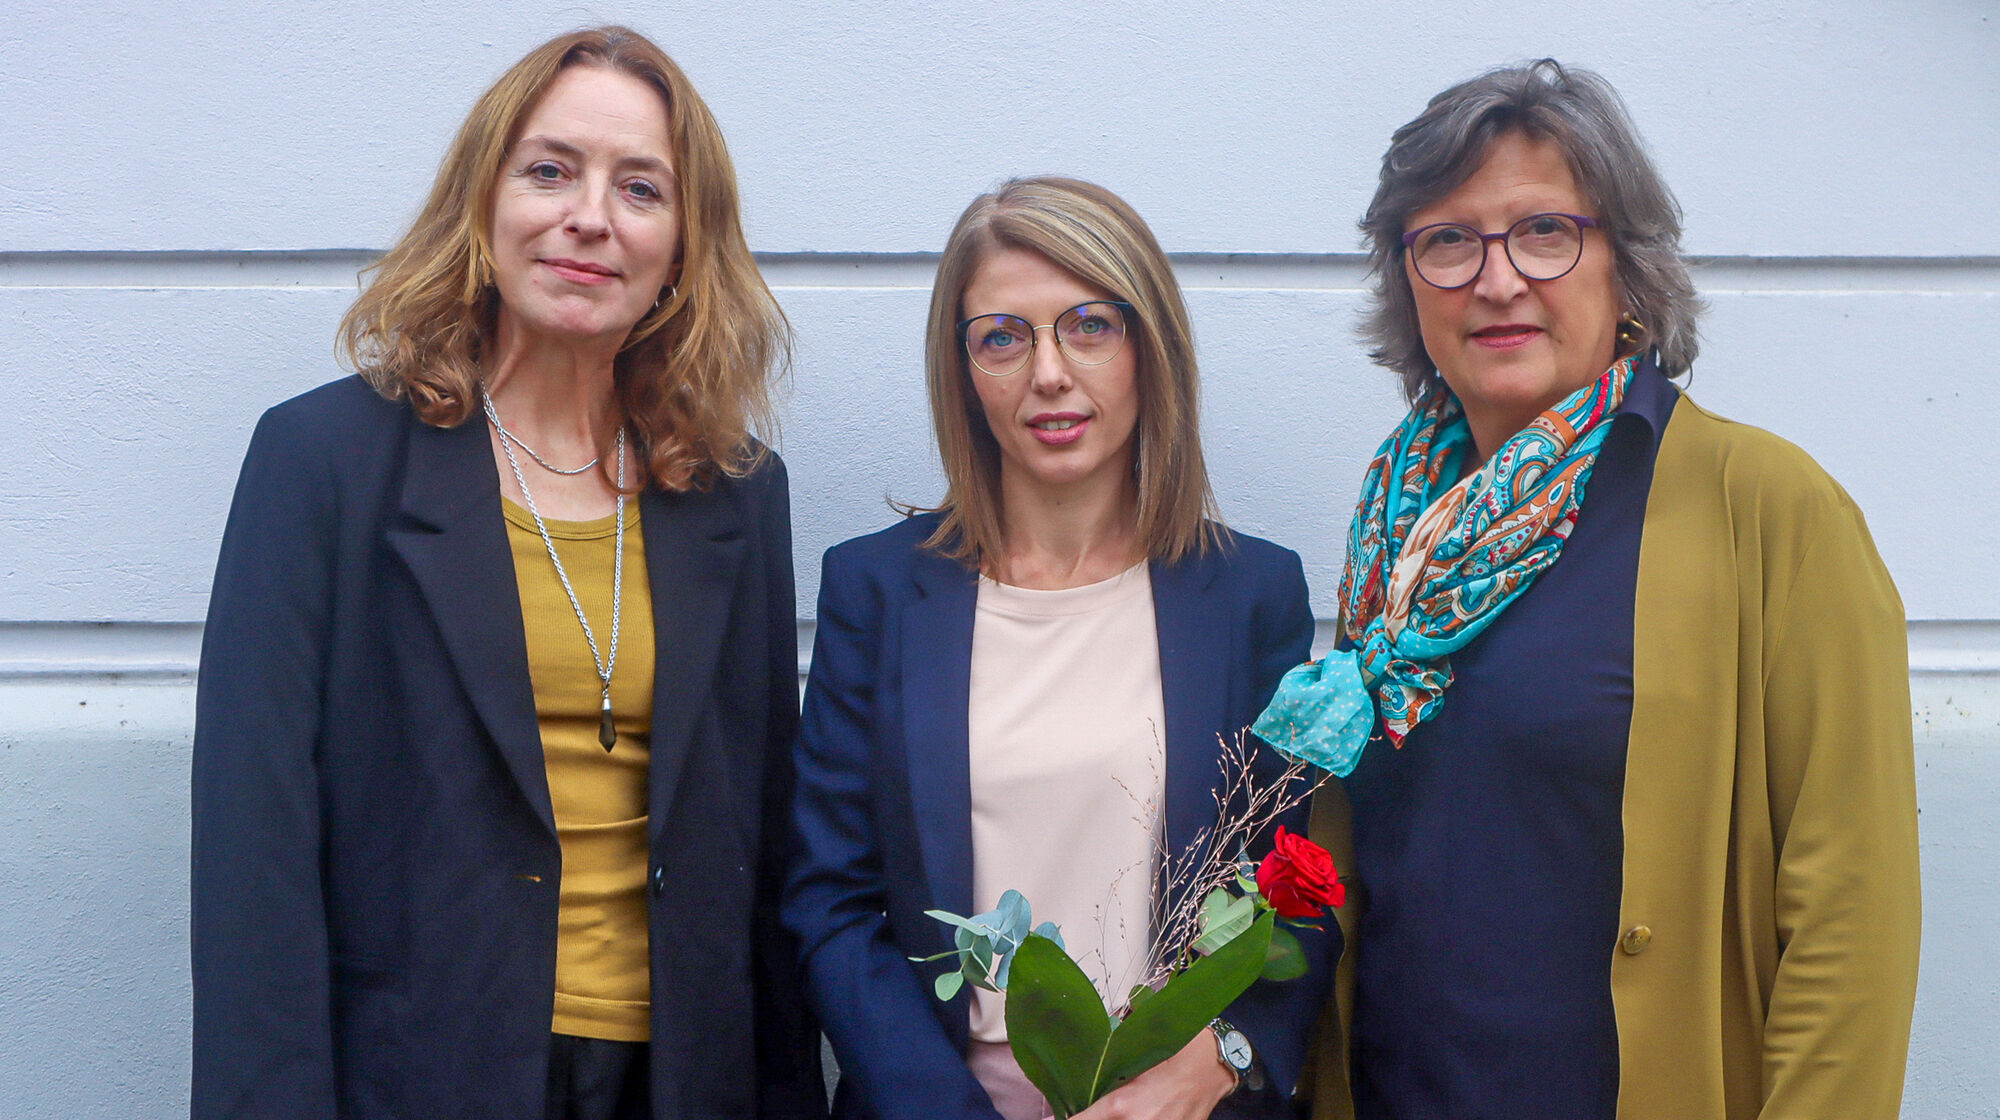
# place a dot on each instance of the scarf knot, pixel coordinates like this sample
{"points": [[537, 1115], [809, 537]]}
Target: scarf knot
{"points": [[1431, 563]]}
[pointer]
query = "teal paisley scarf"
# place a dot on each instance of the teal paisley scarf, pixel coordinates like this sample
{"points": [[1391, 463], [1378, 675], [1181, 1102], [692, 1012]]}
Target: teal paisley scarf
{"points": [[1431, 564]]}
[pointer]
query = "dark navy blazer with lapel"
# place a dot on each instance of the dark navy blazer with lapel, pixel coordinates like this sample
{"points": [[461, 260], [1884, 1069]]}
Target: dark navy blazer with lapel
{"points": [[375, 857], [883, 811]]}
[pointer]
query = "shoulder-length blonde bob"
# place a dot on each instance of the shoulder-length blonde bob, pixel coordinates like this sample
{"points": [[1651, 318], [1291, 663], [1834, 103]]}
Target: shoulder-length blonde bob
{"points": [[1096, 236], [695, 374]]}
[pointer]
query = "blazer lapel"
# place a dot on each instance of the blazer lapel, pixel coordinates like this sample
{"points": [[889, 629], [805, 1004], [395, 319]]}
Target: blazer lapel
{"points": [[454, 542], [1195, 637], [694, 547], [937, 681]]}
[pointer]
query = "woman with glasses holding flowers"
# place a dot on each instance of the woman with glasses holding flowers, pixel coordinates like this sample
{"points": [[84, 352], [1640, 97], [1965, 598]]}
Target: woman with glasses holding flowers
{"points": [[1621, 709], [1024, 688]]}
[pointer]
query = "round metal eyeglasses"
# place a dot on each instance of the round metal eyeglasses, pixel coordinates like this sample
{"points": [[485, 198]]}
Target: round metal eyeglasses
{"points": [[1089, 334], [1449, 255]]}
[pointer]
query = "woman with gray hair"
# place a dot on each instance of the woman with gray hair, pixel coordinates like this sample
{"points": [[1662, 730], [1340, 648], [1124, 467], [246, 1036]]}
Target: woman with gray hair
{"points": [[1621, 707]]}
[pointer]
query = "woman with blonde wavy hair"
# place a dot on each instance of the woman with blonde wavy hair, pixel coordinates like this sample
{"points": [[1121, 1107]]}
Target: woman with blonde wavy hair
{"points": [[490, 764]]}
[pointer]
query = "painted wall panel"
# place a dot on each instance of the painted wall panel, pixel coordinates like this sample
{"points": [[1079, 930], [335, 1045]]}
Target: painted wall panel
{"points": [[124, 414], [1788, 127]]}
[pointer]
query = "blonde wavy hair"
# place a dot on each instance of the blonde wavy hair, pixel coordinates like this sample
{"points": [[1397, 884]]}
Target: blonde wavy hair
{"points": [[696, 373], [1097, 237]]}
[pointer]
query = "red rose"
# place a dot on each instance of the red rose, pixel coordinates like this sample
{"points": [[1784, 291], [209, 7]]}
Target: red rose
{"points": [[1298, 878]]}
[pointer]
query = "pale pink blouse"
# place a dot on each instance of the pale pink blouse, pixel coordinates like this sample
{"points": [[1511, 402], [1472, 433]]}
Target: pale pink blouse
{"points": [[1066, 726]]}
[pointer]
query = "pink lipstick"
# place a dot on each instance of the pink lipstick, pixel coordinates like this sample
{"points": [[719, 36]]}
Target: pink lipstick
{"points": [[1055, 429], [579, 272], [1506, 336]]}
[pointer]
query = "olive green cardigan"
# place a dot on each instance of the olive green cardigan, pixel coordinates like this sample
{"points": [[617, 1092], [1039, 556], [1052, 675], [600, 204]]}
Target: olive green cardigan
{"points": [[1768, 961]]}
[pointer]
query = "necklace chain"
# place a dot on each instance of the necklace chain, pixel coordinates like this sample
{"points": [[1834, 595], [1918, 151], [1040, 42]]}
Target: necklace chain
{"points": [[507, 437], [604, 665]]}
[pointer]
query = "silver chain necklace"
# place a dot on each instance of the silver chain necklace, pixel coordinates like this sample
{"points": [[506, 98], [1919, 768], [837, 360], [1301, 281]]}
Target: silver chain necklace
{"points": [[607, 732], [509, 437]]}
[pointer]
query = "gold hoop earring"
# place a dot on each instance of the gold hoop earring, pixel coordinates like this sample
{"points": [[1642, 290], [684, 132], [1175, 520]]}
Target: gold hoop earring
{"points": [[1632, 333]]}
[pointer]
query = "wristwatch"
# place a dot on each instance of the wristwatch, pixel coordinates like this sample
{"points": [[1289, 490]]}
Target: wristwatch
{"points": [[1235, 1052]]}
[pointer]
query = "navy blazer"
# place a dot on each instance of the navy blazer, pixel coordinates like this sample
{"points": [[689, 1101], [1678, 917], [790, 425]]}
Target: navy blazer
{"points": [[375, 857], [883, 811]]}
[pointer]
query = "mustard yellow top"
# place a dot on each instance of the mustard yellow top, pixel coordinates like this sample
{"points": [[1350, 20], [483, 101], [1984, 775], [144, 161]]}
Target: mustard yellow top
{"points": [[602, 974], [1767, 961]]}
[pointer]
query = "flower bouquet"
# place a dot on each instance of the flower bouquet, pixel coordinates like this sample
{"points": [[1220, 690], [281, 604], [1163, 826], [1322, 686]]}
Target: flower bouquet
{"points": [[1225, 931]]}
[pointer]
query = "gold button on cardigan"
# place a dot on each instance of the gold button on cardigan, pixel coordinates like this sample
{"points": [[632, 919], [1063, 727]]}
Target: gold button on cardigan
{"points": [[1635, 940]]}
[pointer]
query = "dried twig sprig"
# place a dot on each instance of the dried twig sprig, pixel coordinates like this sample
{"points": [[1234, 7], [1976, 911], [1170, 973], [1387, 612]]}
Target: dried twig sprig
{"points": [[1246, 809]]}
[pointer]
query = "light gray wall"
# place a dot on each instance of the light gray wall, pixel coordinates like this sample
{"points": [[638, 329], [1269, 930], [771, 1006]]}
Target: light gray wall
{"points": [[190, 193]]}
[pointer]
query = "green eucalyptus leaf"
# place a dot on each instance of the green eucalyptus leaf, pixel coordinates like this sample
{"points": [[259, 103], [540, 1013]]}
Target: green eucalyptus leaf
{"points": [[1285, 960], [987, 925], [1213, 904], [1056, 1024], [1011, 918], [977, 924], [948, 984], [1221, 924], [1054, 933], [1157, 1029]]}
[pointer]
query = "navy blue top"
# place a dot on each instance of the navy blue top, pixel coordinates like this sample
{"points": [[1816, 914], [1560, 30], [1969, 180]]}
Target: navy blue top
{"points": [[1491, 843]]}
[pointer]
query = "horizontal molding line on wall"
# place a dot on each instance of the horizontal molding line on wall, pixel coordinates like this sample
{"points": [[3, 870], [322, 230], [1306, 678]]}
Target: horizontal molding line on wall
{"points": [[339, 269], [169, 651]]}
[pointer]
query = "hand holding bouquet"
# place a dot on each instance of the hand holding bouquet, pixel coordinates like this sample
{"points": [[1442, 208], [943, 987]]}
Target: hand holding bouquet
{"points": [[1226, 932]]}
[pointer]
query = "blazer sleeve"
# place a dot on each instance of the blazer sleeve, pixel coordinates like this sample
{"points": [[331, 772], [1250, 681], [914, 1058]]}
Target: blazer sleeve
{"points": [[790, 1083], [262, 1024], [1844, 817], [1278, 1016], [893, 1052]]}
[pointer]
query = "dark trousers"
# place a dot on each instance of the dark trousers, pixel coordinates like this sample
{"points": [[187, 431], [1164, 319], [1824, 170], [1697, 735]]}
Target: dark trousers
{"points": [[598, 1079]]}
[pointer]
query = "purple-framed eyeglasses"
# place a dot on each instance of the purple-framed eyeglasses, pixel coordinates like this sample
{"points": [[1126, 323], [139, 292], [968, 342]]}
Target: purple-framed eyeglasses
{"points": [[1450, 255]]}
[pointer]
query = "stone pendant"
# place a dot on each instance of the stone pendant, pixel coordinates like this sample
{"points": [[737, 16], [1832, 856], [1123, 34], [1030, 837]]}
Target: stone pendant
{"points": [[606, 733]]}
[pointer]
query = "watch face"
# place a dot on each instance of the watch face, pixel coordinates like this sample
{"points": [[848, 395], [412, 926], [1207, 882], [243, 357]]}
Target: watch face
{"points": [[1236, 1050]]}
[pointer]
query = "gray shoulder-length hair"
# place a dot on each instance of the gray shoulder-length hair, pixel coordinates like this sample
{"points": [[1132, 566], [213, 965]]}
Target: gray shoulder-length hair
{"points": [[1577, 110]]}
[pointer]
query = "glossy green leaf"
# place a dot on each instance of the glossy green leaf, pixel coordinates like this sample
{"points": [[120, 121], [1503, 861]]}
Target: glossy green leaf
{"points": [[1140, 994], [1158, 1028], [1056, 1024], [1285, 960]]}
